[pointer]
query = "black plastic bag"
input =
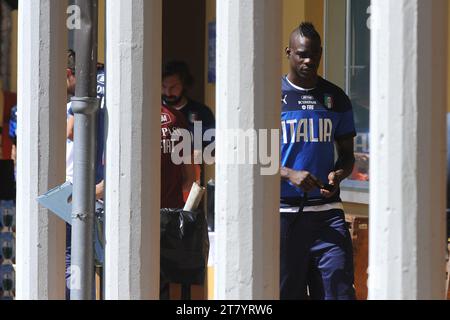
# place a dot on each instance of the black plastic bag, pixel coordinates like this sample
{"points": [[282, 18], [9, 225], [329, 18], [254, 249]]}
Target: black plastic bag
{"points": [[210, 191], [184, 246], [7, 180]]}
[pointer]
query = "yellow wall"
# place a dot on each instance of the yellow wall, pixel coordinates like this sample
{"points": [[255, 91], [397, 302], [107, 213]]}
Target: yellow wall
{"points": [[335, 42], [295, 12]]}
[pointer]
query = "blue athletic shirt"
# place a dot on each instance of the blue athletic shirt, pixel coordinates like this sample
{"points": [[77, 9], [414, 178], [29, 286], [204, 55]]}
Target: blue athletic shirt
{"points": [[100, 154], [13, 124], [311, 121]]}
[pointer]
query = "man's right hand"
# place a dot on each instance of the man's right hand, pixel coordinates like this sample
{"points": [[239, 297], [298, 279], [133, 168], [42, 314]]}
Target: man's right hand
{"points": [[300, 179]]}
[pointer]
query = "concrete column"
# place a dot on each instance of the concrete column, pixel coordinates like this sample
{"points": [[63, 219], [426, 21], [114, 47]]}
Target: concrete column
{"points": [[41, 145], [248, 99], [408, 167], [133, 95]]}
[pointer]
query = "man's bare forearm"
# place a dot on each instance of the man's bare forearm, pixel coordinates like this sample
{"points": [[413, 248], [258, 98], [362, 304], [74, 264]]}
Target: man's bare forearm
{"points": [[344, 167]]}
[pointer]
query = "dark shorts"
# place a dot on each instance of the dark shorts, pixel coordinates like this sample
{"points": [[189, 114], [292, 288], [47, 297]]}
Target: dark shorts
{"points": [[316, 257]]}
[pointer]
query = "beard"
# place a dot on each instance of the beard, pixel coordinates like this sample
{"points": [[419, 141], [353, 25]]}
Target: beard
{"points": [[171, 100], [307, 74]]}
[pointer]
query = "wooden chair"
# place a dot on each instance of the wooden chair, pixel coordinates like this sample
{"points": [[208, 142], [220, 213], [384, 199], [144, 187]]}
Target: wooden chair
{"points": [[359, 231], [447, 287]]}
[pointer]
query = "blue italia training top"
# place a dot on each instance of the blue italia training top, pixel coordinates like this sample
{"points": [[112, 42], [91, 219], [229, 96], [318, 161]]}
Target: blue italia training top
{"points": [[311, 121]]}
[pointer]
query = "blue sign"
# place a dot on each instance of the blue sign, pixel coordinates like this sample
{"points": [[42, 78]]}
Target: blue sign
{"points": [[212, 52]]}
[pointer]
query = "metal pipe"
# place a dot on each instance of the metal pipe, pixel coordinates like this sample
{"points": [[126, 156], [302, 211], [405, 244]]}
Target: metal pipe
{"points": [[84, 106]]}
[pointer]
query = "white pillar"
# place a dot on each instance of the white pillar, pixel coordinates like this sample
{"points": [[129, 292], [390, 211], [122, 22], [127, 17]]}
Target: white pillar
{"points": [[408, 167], [133, 95], [248, 98], [41, 145]]}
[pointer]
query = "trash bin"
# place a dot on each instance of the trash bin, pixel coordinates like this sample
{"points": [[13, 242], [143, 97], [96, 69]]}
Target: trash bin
{"points": [[184, 247], [7, 180]]}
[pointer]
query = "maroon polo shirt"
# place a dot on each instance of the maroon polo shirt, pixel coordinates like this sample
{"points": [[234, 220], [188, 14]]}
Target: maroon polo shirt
{"points": [[171, 174]]}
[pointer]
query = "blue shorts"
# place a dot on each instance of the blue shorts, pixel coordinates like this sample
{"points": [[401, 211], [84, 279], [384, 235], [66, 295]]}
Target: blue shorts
{"points": [[316, 257]]}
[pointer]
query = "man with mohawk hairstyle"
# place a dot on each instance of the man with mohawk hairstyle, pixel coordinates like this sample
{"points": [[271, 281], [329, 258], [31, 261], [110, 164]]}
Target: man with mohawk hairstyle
{"points": [[317, 116]]}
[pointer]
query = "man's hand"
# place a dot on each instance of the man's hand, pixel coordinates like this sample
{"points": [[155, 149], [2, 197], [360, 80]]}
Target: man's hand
{"points": [[301, 179], [334, 180], [100, 190]]}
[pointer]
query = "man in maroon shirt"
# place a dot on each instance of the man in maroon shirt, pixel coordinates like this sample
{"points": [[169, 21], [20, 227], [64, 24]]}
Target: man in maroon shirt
{"points": [[174, 178]]}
